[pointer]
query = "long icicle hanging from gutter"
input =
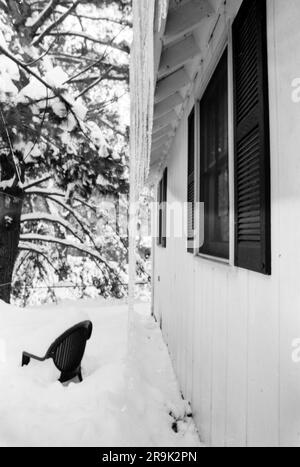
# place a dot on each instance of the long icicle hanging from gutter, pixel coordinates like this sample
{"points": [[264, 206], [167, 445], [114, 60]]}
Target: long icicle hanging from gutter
{"points": [[142, 82]]}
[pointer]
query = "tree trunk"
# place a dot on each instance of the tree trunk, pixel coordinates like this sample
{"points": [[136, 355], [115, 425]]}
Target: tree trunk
{"points": [[11, 202]]}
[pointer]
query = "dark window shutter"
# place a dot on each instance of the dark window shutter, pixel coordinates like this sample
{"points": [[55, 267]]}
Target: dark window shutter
{"points": [[191, 182], [252, 148], [159, 205], [164, 208]]}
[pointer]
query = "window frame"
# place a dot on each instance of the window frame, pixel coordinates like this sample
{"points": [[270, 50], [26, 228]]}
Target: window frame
{"points": [[211, 247], [192, 116], [225, 42], [162, 199]]}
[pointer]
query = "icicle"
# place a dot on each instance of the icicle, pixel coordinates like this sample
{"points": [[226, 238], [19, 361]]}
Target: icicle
{"points": [[163, 11], [142, 89], [142, 101]]}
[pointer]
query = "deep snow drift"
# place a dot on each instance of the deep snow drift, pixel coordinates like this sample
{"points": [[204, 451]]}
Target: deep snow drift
{"points": [[127, 398]]}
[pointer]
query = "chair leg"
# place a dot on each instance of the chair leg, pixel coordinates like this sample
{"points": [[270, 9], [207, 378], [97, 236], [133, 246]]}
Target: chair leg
{"points": [[65, 377], [25, 360]]}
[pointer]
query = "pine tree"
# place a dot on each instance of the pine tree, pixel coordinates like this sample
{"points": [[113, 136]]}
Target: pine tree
{"points": [[63, 143]]}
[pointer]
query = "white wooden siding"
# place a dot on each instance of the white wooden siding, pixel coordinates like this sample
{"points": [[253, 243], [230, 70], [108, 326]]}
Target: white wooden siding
{"points": [[230, 331]]}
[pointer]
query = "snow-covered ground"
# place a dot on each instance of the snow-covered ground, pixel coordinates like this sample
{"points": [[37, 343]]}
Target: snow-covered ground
{"points": [[129, 396]]}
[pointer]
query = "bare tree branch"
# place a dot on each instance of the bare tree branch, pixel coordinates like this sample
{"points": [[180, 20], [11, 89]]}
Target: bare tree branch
{"points": [[104, 77], [123, 46], [45, 14], [88, 88], [122, 22], [37, 182], [24, 246], [113, 128], [56, 23], [121, 70], [45, 192], [70, 58], [42, 216]]}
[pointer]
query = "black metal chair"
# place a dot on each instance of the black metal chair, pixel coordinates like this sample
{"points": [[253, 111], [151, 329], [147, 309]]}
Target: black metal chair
{"points": [[66, 351]]}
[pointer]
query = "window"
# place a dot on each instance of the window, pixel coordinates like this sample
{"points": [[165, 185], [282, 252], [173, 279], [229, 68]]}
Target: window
{"points": [[191, 182], [252, 151], [214, 184], [162, 210]]}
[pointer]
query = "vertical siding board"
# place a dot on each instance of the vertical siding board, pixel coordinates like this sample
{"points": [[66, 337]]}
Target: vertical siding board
{"points": [[219, 359], [275, 178], [289, 201], [196, 391], [189, 337], [205, 349], [236, 418], [262, 423]]}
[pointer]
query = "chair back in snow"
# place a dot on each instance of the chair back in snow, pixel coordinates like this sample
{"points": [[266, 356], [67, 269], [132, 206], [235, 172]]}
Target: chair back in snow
{"points": [[67, 351]]}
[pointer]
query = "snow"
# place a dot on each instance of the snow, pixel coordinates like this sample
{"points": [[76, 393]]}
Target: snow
{"points": [[68, 125], [97, 138], [7, 87], [7, 183], [35, 91], [126, 397], [30, 150], [2, 38], [31, 247], [59, 108], [79, 108], [102, 181], [10, 68], [56, 77]]}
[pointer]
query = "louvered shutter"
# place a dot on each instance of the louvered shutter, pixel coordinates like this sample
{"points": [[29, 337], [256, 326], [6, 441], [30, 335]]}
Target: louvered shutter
{"points": [[164, 208], [252, 152], [191, 182], [159, 206]]}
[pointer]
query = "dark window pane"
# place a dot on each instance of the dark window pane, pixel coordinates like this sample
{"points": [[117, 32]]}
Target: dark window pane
{"points": [[214, 189], [191, 182], [162, 210]]}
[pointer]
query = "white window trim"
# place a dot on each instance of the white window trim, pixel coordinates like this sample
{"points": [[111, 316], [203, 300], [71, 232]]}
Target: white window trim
{"points": [[231, 149]]}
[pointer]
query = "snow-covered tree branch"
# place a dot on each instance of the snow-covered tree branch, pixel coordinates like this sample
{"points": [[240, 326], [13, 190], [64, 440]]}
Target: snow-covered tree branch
{"points": [[57, 158]]}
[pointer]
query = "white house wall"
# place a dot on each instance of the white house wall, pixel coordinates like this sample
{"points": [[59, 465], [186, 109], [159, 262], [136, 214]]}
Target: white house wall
{"points": [[230, 331]]}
